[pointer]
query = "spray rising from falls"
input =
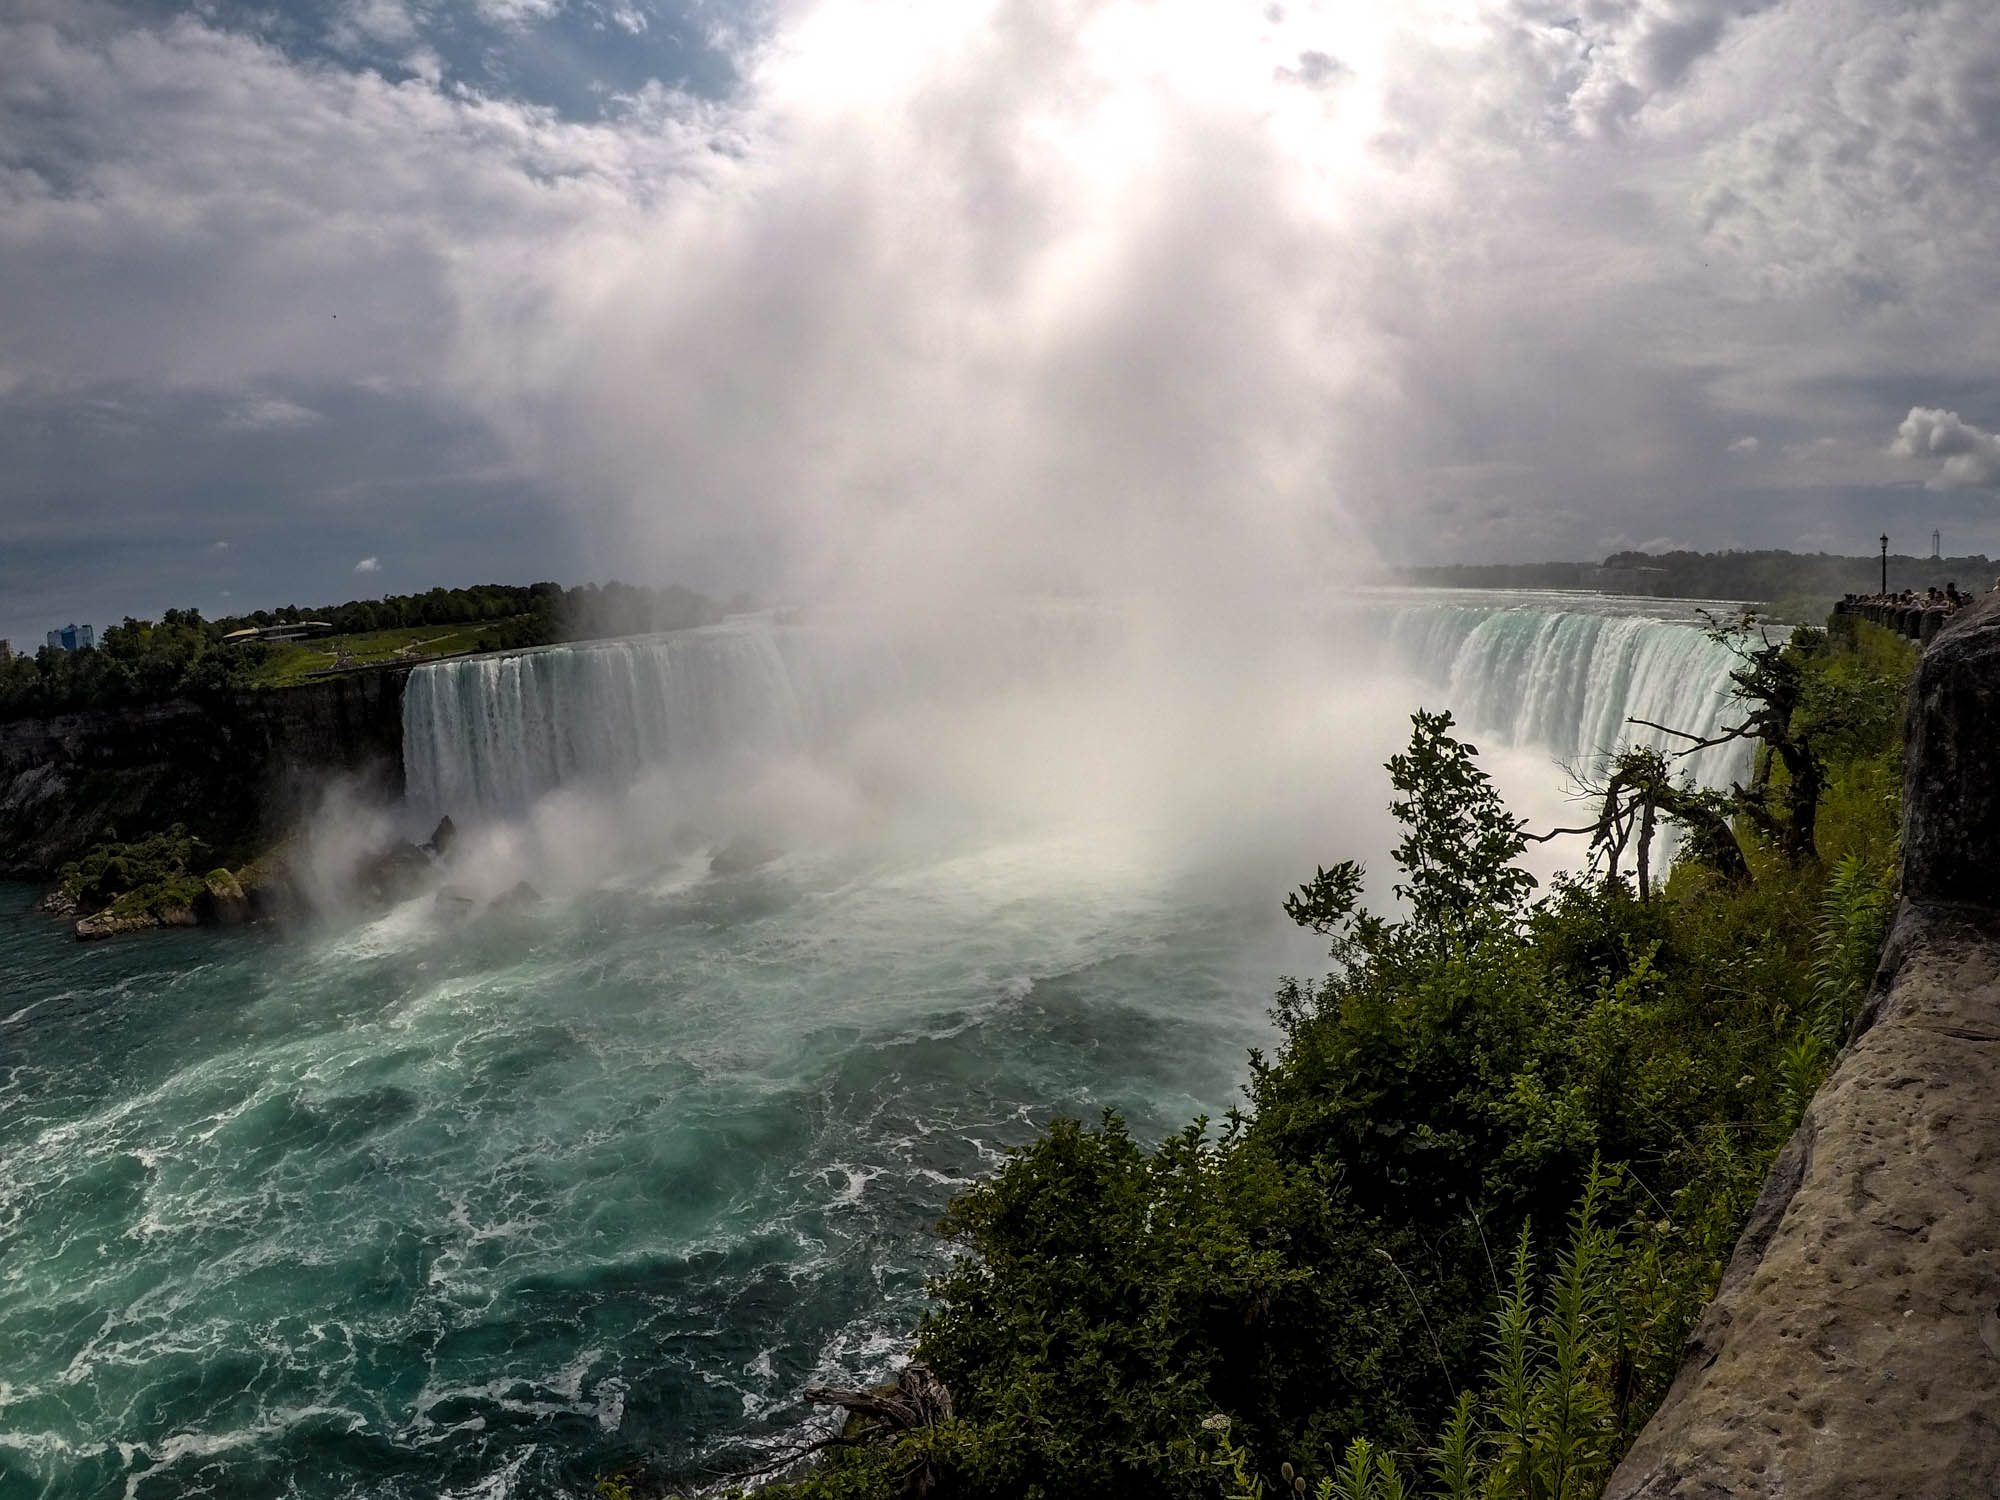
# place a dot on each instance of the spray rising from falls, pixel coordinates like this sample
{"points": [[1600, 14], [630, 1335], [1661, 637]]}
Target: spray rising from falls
{"points": [[501, 1202], [487, 736]]}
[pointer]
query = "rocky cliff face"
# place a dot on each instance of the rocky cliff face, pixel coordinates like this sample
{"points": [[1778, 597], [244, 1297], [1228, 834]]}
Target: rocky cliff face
{"points": [[232, 769], [1853, 1349]]}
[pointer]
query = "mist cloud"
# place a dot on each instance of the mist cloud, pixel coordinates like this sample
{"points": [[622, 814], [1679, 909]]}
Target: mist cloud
{"points": [[1070, 293]]}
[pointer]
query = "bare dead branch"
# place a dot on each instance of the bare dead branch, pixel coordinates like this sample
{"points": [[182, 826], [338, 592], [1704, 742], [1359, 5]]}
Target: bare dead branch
{"points": [[1741, 731]]}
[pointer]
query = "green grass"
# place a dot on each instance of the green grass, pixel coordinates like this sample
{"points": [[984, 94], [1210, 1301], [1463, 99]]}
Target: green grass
{"points": [[293, 662]]}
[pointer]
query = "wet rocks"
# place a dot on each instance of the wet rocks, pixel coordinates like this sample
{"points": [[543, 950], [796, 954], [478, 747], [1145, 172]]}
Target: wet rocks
{"points": [[222, 902], [442, 838], [394, 874], [116, 919], [57, 903]]}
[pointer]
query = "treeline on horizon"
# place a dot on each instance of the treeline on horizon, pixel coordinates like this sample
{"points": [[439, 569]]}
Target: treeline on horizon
{"points": [[183, 654], [1805, 584]]}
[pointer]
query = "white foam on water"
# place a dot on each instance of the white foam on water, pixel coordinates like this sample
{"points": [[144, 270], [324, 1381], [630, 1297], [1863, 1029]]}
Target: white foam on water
{"points": [[678, 1127]]}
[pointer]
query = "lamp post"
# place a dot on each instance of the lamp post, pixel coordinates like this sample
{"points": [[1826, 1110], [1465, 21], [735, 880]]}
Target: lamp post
{"points": [[1885, 562]]}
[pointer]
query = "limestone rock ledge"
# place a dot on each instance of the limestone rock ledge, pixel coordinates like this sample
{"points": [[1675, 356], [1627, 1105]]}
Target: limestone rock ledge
{"points": [[111, 923], [1852, 1351], [1854, 1346]]}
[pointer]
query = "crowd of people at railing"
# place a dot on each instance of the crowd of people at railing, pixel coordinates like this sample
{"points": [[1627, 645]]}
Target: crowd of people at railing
{"points": [[1918, 614]]}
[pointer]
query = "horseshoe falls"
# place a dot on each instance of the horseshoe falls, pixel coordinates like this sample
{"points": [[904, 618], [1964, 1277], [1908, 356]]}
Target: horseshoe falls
{"points": [[410, 1206]]}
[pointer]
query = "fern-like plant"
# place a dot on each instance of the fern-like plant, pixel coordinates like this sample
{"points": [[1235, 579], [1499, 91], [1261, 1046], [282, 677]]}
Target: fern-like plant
{"points": [[1546, 1426], [1854, 914]]}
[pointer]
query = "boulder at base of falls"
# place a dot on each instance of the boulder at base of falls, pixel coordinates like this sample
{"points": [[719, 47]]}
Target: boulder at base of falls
{"points": [[442, 838], [522, 897], [222, 902], [114, 920], [270, 891], [57, 903], [454, 905], [395, 874]]}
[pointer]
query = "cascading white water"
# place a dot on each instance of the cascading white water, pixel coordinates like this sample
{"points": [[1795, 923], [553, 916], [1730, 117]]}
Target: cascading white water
{"points": [[1572, 682], [488, 735]]}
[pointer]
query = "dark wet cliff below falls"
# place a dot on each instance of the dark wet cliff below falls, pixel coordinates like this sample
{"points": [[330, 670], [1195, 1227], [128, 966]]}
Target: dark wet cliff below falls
{"points": [[232, 767]]}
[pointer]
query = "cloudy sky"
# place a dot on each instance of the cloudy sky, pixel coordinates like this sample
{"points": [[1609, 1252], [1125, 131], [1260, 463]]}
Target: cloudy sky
{"points": [[311, 299]]}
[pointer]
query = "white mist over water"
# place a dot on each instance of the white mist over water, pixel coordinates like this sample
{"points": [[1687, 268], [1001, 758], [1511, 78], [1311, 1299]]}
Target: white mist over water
{"points": [[491, 1206], [1062, 716]]}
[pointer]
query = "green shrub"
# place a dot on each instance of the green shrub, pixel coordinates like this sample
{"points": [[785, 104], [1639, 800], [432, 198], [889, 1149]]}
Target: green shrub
{"points": [[149, 875], [1314, 1283]]}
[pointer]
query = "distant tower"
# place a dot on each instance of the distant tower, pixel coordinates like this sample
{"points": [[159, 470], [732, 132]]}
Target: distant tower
{"points": [[1937, 547]]}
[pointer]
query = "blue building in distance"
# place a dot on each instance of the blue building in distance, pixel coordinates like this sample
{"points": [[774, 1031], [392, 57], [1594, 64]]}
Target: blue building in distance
{"points": [[72, 637]]}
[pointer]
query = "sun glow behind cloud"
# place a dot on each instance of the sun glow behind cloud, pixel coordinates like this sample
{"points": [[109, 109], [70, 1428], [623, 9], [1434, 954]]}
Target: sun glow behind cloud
{"points": [[1003, 292], [1036, 295]]}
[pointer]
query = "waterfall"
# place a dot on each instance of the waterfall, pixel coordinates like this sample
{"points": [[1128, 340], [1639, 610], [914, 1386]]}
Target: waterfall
{"points": [[490, 734], [1570, 680]]}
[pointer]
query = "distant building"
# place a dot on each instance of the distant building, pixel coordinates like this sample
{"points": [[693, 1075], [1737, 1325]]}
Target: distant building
{"points": [[72, 637], [6, 650]]}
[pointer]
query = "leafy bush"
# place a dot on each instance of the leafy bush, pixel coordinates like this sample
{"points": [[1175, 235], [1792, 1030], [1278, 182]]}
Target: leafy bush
{"points": [[1314, 1283], [150, 875]]}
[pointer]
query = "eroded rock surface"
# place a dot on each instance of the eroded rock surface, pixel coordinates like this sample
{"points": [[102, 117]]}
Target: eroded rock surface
{"points": [[1853, 1349], [232, 767]]}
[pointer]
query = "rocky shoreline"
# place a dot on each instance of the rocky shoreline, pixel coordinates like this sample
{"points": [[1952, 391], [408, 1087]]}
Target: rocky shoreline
{"points": [[272, 888]]}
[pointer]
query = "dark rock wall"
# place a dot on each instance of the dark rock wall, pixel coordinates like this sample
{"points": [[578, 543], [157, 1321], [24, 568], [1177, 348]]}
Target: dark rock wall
{"points": [[1951, 793], [234, 769]]}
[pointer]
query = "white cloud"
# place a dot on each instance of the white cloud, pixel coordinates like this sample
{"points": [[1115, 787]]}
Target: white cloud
{"points": [[369, 565], [1971, 455], [1059, 287], [218, 546], [267, 412], [516, 12], [358, 23]]}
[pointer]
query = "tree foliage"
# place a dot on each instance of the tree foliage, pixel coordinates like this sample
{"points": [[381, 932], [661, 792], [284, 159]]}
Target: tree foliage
{"points": [[182, 655], [1808, 704], [1318, 1281], [148, 874]]}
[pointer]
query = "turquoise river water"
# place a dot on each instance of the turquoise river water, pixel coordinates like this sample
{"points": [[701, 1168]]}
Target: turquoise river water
{"points": [[396, 1205]]}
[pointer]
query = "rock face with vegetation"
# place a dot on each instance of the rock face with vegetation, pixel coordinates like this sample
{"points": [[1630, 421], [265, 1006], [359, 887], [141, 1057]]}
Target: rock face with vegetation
{"points": [[234, 766], [1854, 1346]]}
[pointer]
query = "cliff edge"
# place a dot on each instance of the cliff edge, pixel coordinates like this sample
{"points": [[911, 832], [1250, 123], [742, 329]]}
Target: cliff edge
{"points": [[233, 768], [1853, 1348]]}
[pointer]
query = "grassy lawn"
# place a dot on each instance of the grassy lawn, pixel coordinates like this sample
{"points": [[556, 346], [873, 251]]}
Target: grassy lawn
{"points": [[290, 662]]}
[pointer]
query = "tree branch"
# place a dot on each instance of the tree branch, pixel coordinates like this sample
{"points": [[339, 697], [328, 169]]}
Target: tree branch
{"points": [[1554, 833], [1741, 731]]}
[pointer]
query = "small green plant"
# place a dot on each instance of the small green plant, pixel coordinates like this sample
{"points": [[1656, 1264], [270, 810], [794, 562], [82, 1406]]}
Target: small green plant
{"points": [[146, 875], [1854, 916]]}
